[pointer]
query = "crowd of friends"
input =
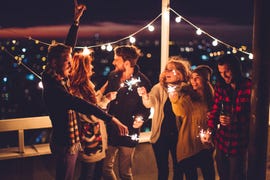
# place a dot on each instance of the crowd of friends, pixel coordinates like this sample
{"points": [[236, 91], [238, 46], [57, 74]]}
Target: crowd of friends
{"points": [[193, 122]]}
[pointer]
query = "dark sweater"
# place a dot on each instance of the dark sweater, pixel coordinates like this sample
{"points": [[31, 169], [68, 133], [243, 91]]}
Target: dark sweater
{"points": [[126, 106]]}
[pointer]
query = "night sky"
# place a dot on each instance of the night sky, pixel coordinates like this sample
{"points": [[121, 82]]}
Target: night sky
{"points": [[229, 15], [24, 13]]}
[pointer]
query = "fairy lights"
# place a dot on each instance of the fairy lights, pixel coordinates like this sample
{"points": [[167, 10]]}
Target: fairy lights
{"points": [[151, 28]]}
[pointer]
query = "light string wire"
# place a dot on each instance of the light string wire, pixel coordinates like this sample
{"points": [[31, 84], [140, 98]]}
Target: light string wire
{"points": [[196, 27], [19, 62], [124, 38]]}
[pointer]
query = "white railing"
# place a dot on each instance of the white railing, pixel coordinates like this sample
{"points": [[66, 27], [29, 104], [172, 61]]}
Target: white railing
{"points": [[21, 125]]}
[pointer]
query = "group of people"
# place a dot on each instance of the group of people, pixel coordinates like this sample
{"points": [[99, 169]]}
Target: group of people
{"points": [[191, 119]]}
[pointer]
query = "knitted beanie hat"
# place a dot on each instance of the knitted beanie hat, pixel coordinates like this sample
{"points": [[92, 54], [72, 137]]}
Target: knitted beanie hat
{"points": [[204, 71]]}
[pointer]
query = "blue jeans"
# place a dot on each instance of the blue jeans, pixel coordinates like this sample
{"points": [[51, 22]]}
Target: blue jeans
{"points": [[125, 161], [65, 162]]}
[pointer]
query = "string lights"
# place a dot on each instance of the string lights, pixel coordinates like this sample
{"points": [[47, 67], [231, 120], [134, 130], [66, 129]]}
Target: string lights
{"points": [[109, 45]]}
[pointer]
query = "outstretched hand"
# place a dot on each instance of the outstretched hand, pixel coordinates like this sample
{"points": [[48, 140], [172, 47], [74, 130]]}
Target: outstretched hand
{"points": [[78, 10], [123, 130]]}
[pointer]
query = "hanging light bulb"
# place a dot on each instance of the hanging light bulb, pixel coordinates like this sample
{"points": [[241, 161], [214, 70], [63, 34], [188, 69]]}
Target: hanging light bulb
{"points": [[178, 19], [151, 28], [250, 56], [109, 47], [199, 31], [40, 85], [86, 51], [234, 51], [132, 39], [103, 47], [215, 43]]}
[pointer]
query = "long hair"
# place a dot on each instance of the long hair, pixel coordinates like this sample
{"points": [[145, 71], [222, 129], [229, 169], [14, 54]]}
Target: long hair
{"points": [[81, 84], [205, 73]]}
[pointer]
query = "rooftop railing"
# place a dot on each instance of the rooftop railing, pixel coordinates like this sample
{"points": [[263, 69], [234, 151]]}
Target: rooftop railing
{"points": [[21, 125]]}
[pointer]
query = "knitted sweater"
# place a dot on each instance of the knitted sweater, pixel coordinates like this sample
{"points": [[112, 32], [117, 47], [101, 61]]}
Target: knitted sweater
{"points": [[157, 99], [193, 116]]}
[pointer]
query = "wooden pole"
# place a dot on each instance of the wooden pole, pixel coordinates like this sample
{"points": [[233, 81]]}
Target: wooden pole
{"points": [[257, 151], [165, 33]]}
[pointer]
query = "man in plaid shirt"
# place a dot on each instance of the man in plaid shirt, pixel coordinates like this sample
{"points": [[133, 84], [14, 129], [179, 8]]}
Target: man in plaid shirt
{"points": [[229, 119]]}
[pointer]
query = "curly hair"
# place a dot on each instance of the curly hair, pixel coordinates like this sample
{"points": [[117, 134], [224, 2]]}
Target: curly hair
{"points": [[181, 64]]}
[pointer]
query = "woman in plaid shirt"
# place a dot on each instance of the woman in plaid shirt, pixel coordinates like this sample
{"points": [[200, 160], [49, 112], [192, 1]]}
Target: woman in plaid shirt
{"points": [[229, 119]]}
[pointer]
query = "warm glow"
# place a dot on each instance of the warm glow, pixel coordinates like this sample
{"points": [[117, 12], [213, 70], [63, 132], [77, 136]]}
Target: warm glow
{"points": [[132, 40], [199, 31], [86, 51], [178, 19], [215, 43], [109, 47], [151, 28]]}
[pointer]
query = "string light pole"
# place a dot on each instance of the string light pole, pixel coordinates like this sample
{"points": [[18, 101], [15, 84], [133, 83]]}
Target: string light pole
{"points": [[165, 33]]}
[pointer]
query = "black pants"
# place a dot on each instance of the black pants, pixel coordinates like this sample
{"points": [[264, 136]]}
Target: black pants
{"points": [[203, 160], [231, 167], [162, 148]]}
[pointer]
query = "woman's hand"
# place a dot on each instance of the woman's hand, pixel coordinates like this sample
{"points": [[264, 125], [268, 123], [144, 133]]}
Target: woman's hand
{"points": [[78, 11], [142, 92], [123, 130], [111, 95]]}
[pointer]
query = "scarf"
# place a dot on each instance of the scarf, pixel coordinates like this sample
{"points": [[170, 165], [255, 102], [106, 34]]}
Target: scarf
{"points": [[74, 137]]}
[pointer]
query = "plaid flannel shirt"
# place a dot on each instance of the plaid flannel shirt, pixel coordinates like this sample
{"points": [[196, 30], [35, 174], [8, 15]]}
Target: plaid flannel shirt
{"points": [[232, 139]]}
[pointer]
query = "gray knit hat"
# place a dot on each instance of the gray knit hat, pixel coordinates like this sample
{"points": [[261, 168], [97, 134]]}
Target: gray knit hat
{"points": [[204, 71]]}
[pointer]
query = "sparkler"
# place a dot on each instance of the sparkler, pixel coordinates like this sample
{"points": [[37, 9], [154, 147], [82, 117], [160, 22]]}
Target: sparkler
{"points": [[134, 137], [203, 134], [130, 83], [171, 88]]}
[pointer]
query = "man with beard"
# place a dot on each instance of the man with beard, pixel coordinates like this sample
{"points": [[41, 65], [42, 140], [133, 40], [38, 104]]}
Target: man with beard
{"points": [[127, 107], [229, 119]]}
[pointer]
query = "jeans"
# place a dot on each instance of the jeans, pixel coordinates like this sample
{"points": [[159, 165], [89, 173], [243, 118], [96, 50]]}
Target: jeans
{"points": [[230, 167], [65, 162], [125, 161]]}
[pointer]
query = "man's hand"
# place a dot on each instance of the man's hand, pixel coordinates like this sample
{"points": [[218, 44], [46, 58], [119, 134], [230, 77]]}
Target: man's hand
{"points": [[123, 130], [225, 120]]}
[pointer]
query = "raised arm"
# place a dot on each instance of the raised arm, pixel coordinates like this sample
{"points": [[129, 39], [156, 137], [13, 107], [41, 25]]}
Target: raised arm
{"points": [[71, 38]]}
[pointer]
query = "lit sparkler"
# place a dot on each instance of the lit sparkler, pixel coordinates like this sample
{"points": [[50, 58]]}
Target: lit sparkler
{"points": [[171, 88], [130, 83], [204, 133], [134, 137]]}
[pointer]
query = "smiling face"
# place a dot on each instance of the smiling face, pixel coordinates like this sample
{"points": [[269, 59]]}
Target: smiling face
{"points": [[172, 74], [118, 63], [226, 73], [196, 81]]}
